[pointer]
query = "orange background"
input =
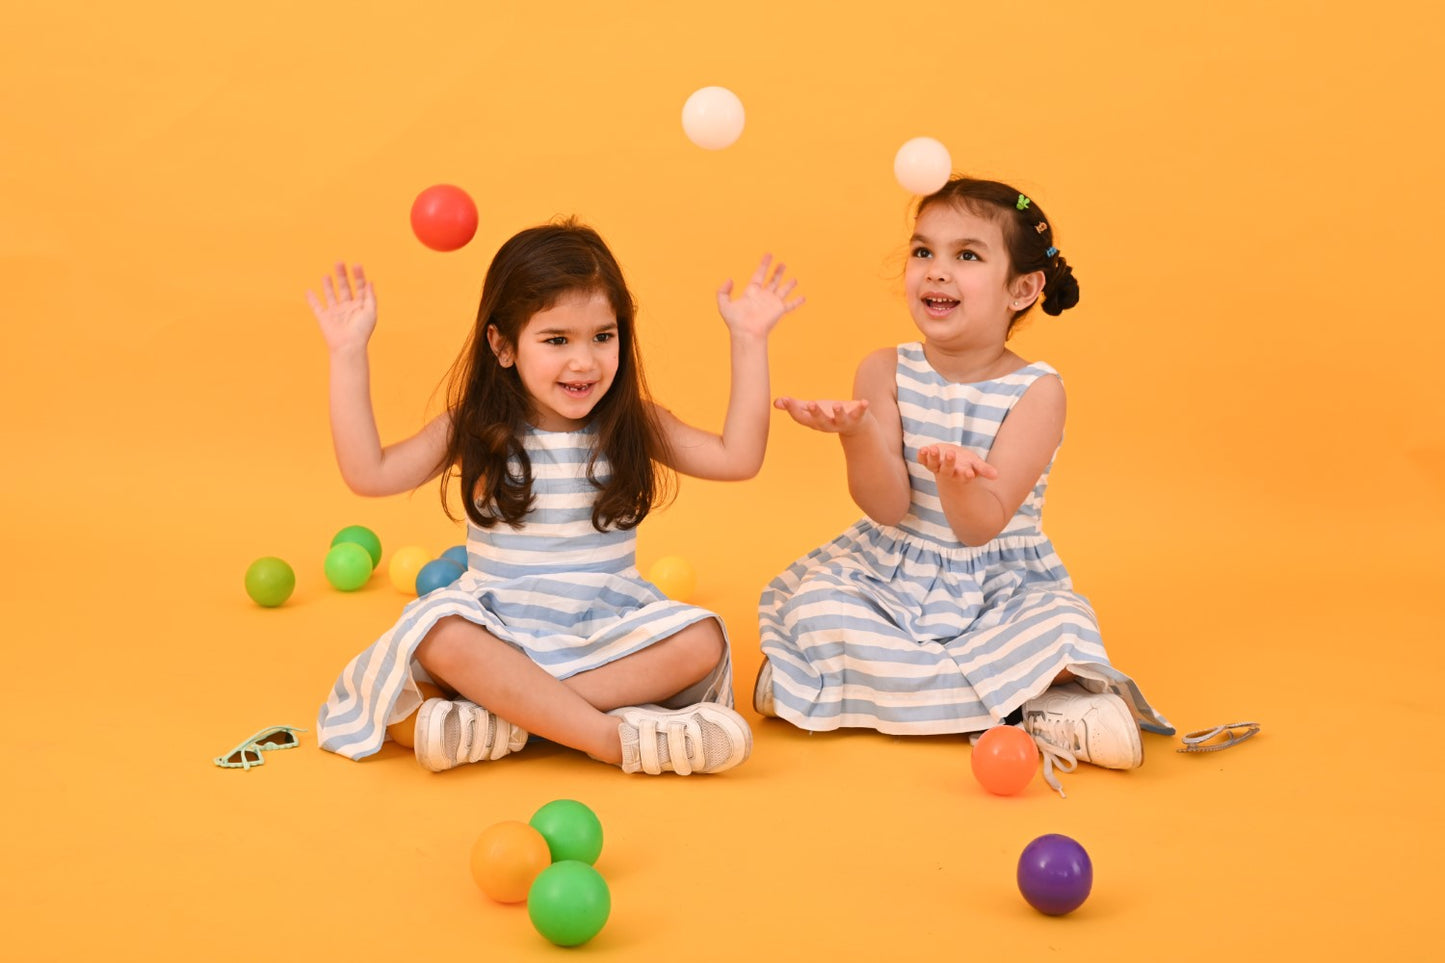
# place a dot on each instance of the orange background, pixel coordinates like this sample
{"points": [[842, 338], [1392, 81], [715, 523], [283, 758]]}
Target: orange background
{"points": [[1250, 492]]}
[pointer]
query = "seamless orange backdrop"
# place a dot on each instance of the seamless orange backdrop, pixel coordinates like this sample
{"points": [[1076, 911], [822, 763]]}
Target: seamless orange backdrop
{"points": [[1250, 490]]}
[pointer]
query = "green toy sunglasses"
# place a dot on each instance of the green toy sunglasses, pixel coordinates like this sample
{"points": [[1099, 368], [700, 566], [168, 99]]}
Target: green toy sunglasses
{"points": [[248, 753]]}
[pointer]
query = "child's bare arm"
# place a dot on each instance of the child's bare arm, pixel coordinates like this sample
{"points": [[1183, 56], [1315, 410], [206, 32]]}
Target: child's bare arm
{"points": [[979, 497], [736, 452], [872, 436], [346, 315]]}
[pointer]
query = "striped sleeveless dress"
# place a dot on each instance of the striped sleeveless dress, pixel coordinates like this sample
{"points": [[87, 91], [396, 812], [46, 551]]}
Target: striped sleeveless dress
{"points": [[554, 587], [906, 630]]}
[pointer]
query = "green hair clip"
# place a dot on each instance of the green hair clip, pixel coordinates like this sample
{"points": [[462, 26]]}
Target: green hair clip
{"points": [[1023, 203], [248, 753]]}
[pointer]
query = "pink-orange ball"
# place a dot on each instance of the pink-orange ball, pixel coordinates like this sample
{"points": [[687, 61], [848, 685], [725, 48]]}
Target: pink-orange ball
{"points": [[1004, 760]]}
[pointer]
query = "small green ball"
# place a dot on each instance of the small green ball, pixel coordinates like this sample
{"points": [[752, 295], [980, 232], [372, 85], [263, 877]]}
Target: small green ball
{"points": [[363, 536], [569, 903], [270, 581], [347, 566], [571, 829]]}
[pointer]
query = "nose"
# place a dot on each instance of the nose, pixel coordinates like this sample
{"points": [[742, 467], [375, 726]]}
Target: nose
{"points": [[937, 271], [581, 359]]}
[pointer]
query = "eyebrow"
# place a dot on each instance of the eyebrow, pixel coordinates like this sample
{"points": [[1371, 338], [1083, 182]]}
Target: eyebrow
{"points": [[959, 242], [553, 332]]}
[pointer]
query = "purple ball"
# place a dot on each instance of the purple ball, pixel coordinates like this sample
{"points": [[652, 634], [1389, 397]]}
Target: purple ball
{"points": [[1055, 874]]}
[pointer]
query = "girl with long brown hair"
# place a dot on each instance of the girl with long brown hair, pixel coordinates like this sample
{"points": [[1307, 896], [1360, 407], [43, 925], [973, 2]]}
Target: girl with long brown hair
{"points": [[560, 453]]}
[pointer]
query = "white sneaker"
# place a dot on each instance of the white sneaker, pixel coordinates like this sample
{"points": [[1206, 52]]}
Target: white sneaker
{"points": [[452, 732], [763, 691], [1096, 727], [707, 737]]}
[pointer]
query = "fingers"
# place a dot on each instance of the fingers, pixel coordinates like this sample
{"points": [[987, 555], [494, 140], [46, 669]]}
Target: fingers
{"points": [[760, 276], [343, 283]]}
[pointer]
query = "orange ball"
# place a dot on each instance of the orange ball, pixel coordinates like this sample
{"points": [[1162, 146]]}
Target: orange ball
{"points": [[1004, 760], [506, 858], [403, 733]]}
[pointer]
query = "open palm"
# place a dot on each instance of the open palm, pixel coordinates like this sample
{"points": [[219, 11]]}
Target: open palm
{"points": [[346, 311], [760, 305]]}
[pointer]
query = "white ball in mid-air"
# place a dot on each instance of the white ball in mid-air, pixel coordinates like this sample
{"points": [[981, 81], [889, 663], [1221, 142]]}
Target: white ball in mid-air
{"points": [[922, 165], [713, 118]]}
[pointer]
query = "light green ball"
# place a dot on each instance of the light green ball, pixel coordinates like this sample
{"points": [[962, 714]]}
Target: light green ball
{"points": [[270, 581], [347, 566], [363, 536]]}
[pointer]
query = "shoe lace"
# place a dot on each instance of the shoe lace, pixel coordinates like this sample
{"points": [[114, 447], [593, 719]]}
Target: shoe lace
{"points": [[1057, 737], [1055, 757]]}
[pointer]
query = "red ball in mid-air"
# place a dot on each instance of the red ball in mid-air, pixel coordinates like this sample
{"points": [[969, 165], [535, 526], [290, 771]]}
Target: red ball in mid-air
{"points": [[444, 217]]}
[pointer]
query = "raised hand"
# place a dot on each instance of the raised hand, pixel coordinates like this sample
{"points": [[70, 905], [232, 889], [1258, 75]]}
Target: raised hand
{"points": [[954, 462], [761, 304], [346, 312], [837, 417]]}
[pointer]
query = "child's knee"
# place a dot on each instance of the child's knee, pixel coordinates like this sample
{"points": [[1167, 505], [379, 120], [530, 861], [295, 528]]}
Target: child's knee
{"points": [[442, 644], [706, 646]]}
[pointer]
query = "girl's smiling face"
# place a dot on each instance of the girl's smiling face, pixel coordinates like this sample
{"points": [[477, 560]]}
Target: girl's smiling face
{"points": [[566, 357], [957, 280]]}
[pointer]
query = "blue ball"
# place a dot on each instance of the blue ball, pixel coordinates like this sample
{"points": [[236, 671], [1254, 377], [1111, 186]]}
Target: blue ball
{"points": [[438, 573], [458, 554]]}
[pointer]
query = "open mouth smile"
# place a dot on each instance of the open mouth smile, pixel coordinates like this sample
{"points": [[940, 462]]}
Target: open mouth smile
{"points": [[938, 306]]}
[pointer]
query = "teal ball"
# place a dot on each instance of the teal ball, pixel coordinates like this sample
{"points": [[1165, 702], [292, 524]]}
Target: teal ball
{"points": [[436, 574]]}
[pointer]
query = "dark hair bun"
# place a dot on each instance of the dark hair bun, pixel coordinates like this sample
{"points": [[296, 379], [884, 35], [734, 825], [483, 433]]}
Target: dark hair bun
{"points": [[1062, 290]]}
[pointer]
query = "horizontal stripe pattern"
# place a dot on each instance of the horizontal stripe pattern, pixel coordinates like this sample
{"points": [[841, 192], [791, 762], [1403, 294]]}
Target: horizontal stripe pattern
{"points": [[904, 629], [567, 595]]}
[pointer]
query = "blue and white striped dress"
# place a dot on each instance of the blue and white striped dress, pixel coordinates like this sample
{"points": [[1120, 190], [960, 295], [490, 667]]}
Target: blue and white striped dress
{"points": [[906, 630], [567, 595]]}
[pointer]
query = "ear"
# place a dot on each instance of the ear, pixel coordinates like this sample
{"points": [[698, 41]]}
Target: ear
{"points": [[1026, 288], [499, 346]]}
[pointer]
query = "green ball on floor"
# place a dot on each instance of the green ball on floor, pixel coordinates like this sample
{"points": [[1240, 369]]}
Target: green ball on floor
{"points": [[571, 829], [569, 903], [270, 581], [363, 536], [347, 566]]}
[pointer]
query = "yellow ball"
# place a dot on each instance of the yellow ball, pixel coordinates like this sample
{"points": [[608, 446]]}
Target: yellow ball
{"points": [[405, 563], [675, 576]]}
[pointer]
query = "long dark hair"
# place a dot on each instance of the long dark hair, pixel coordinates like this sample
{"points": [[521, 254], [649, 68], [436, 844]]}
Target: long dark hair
{"points": [[489, 406], [1027, 233]]}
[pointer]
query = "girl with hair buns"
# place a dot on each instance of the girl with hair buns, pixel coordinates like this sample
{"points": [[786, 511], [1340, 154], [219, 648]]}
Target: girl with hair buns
{"points": [[946, 609]]}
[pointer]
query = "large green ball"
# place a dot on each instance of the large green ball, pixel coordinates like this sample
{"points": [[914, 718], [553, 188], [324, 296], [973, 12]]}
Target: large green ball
{"points": [[571, 829], [363, 536], [569, 903], [347, 566], [270, 581]]}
